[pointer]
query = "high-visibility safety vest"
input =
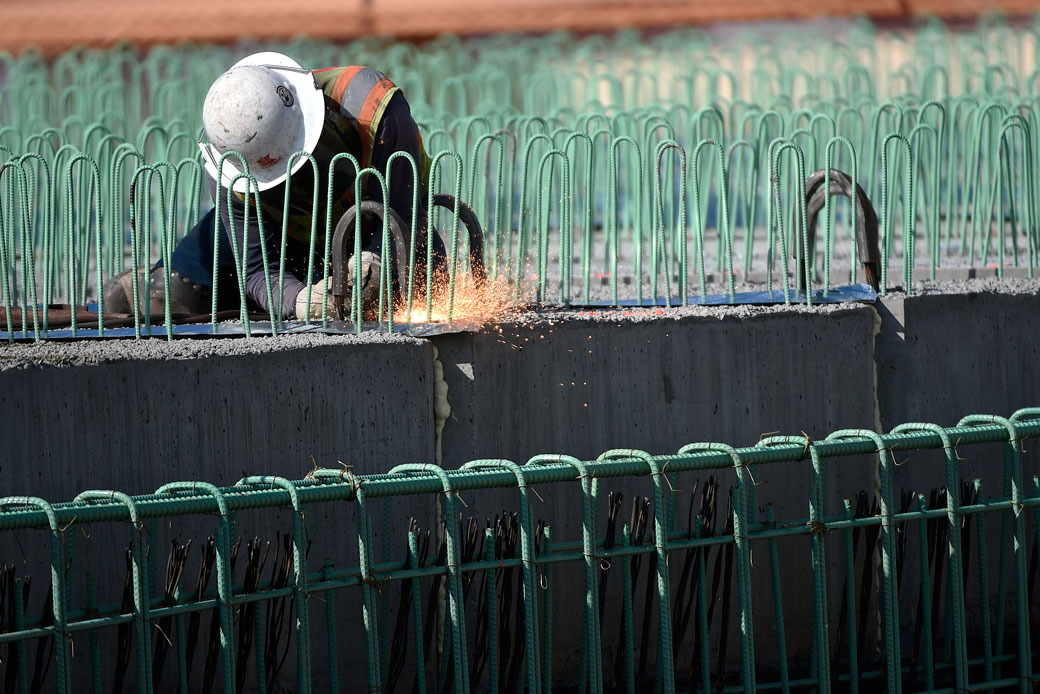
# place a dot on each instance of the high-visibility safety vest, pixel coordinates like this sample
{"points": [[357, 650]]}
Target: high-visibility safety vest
{"points": [[361, 94]]}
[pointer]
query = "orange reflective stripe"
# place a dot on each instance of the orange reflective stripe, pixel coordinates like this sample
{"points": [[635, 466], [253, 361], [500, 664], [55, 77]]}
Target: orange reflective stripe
{"points": [[373, 100], [372, 109], [343, 81]]}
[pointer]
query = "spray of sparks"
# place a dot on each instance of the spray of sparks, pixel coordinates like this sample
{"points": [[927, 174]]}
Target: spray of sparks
{"points": [[481, 302]]}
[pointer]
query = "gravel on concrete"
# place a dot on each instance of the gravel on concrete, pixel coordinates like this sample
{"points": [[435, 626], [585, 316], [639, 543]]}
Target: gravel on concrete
{"points": [[88, 352], [985, 285], [104, 351], [640, 314]]}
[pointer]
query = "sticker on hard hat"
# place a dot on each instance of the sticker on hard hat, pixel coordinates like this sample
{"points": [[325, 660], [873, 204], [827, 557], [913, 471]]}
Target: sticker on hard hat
{"points": [[285, 95], [267, 160]]}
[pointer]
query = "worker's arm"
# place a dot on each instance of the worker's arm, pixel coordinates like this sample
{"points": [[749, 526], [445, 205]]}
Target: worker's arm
{"points": [[256, 271], [398, 133]]}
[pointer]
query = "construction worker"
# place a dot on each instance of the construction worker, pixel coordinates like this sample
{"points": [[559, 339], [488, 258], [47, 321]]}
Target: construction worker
{"points": [[266, 108]]}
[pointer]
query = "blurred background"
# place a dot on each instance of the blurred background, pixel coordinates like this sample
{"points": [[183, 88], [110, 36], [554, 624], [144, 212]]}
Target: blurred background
{"points": [[619, 153], [55, 25]]}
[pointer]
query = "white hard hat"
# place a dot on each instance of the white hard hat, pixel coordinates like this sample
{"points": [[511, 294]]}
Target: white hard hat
{"points": [[266, 107]]}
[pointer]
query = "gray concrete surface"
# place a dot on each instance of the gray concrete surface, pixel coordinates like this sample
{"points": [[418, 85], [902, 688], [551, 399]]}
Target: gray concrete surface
{"points": [[655, 379], [131, 416], [944, 354]]}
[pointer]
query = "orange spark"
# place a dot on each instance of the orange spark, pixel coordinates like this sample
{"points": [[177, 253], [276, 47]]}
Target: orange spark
{"points": [[473, 301]]}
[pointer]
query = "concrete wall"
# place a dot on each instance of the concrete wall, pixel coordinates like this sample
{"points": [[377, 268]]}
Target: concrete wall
{"points": [[942, 356], [603, 380], [606, 380], [141, 415], [131, 417]]}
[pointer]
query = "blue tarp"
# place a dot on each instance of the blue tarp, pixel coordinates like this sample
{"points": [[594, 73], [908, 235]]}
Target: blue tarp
{"points": [[853, 292]]}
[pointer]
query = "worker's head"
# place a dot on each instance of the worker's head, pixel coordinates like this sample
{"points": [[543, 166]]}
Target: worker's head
{"points": [[266, 108]]}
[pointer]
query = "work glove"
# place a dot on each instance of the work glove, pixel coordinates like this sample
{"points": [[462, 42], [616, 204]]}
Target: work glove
{"points": [[312, 311], [371, 265]]}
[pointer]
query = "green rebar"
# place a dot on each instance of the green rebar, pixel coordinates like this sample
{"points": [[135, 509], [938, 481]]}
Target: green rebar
{"points": [[987, 637], [59, 604], [956, 573], [527, 554]]}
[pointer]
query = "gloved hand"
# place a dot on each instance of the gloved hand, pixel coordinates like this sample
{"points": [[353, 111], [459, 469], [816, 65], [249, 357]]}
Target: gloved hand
{"points": [[312, 310], [371, 265]]}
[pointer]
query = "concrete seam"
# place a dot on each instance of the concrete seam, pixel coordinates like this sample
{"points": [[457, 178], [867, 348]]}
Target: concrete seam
{"points": [[441, 406], [877, 402], [877, 458], [441, 411]]}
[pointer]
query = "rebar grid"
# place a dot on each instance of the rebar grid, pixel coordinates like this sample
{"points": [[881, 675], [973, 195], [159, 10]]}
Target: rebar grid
{"points": [[476, 633], [611, 169]]}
